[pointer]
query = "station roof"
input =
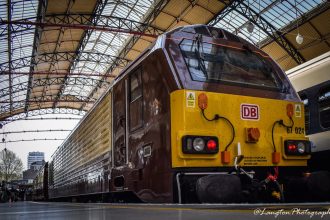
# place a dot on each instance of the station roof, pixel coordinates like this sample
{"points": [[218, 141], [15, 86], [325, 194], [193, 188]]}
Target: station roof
{"points": [[60, 56]]}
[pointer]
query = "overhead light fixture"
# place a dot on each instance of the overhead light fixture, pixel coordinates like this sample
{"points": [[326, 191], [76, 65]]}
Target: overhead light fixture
{"points": [[250, 27], [299, 39]]}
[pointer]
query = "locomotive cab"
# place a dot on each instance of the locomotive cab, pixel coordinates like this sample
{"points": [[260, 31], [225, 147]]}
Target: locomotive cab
{"points": [[237, 125]]}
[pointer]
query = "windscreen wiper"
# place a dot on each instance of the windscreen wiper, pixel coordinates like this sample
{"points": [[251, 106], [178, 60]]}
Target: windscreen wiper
{"points": [[198, 53], [285, 88], [201, 64]]}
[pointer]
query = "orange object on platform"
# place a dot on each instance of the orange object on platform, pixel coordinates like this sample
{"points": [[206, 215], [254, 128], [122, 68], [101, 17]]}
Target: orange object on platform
{"points": [[225, 156], [276, 157]]}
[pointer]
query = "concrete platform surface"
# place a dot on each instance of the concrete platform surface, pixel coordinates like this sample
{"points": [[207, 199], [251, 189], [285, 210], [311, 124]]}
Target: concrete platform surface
{"points": [[91, 211]]}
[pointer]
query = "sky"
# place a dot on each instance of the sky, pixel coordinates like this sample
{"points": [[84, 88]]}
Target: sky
{"points": [[22, 148]]}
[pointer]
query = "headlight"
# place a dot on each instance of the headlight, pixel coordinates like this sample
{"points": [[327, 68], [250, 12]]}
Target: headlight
{"points": [[301, 147], [198, 144]]}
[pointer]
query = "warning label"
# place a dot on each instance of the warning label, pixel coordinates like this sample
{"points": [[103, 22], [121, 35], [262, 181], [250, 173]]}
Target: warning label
{"points": [[191, 99], [297, 110], [251, 161]]}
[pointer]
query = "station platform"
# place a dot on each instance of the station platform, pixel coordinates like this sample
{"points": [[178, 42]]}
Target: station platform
{"points": [[73, 211]]}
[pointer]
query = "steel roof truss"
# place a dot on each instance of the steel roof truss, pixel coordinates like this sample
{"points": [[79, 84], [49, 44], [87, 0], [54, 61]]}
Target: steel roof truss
{"points": [[246, 11]]}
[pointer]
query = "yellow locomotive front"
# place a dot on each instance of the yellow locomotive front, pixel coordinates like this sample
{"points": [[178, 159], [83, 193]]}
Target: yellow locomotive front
{"points": [[237, 125], [212, 129]]}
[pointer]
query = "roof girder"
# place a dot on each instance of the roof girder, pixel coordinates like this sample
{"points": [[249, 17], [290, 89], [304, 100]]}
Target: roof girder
{"points": [[50, 98], [82, 21], [83, 41], [61, 56], [148, 20], [44, 111], [56, 81], [37, 35], [257, 19], [300, 21], [9, 53]]}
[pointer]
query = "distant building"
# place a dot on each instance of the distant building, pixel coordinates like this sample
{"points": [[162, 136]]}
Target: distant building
{"points": [[37, 165], [29, 175], [35, 156]]}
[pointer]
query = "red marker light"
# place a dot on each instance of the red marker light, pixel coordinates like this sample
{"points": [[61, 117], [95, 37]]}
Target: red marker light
{"points": [[292, 147], [211, 145]]}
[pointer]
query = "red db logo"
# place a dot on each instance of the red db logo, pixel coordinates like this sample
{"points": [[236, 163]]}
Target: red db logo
{"points": [[249, 112]]}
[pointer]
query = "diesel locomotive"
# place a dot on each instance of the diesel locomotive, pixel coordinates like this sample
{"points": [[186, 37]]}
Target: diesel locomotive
{"points": [[200, 116]]}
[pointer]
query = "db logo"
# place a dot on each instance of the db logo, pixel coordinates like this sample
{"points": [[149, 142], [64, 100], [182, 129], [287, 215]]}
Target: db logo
{"points": [[249, 112]]}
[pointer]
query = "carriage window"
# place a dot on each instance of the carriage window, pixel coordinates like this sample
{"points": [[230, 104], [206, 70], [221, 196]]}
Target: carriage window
{"points": [[136, 101], [324, 107], [304, 99], [215, 63]]}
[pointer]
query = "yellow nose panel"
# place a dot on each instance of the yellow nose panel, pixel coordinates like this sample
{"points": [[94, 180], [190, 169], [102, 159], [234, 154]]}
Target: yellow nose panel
{"points": [[244, 112]]}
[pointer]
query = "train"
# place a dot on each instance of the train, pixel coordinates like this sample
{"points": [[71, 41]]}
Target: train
{"points": [[201, 116], [312, 82]]}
